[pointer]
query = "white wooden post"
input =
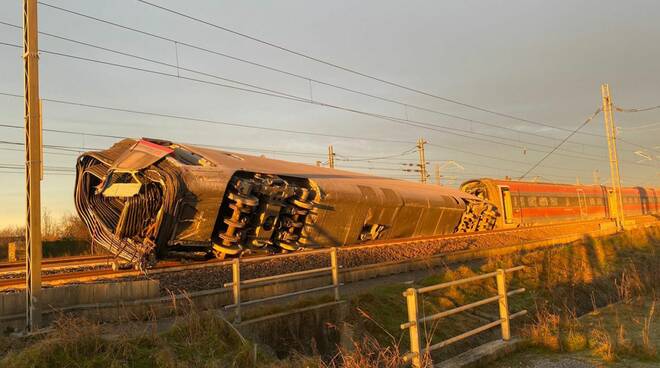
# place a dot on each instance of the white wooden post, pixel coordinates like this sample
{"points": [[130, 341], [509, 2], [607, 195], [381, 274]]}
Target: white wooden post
{"points": [[236, 288], [413, 318], [504, 304]]}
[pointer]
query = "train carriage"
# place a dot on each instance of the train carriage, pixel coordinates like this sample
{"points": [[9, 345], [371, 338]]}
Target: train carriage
{"points": [[529, 204], [639, 201], [154, 198]]}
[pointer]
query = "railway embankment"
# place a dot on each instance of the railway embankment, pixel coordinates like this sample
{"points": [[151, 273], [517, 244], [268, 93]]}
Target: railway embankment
{"points": [[562, 282]]}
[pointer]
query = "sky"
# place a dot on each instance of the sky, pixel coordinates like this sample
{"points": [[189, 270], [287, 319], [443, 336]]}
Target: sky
{"points": [[539, 61]]}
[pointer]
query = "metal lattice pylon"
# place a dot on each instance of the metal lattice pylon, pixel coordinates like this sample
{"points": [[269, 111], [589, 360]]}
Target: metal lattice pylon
{"points": [[610, 131]]}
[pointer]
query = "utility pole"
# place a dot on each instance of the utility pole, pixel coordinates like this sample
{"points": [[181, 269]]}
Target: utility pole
{"points": [[422, 160], [610, 131], [437, 174], [32, 166], [331, 157], [596, 177]]}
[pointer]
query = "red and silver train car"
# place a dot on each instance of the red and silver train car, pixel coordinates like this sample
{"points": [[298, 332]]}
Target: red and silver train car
{"points": [[529, 204]]}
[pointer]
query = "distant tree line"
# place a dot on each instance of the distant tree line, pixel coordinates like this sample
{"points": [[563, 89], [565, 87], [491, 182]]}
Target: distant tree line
{"points": [[67, 227]]}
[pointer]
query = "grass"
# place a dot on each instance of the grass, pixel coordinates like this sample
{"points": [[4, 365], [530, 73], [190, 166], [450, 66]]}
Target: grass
{"points": [[199, 339], [563, 283], [619, 335]]}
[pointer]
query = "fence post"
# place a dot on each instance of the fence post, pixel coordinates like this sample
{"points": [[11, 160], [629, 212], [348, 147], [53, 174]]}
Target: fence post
{"points": [[504, 304], [413, 317], [335, 271], [236, 288], [11, 252]]}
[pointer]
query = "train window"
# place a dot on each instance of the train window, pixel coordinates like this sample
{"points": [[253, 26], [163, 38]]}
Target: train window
{"points": [[522, 201], [531, 201], [554, 201], [543, 201], [506, 203], [592, 201], [515, 201]]}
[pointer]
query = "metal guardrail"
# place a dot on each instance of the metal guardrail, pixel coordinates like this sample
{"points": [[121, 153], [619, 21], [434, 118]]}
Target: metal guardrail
{"points": [[414, 320], [236, 283]]}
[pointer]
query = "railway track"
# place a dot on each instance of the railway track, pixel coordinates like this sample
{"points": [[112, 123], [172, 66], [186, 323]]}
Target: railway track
{"points": [[203, 283], [350, 256], [57, 263]]}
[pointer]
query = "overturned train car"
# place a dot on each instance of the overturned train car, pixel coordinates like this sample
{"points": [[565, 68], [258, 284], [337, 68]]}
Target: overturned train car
{"points": [[148, 199]]}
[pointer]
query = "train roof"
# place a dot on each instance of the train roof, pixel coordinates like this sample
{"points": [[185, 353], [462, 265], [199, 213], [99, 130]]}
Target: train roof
{"points": [[233, 162], [509, 182]]}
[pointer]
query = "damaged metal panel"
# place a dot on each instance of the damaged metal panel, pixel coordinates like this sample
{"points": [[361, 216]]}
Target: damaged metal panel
{"points": [[144, 199]]}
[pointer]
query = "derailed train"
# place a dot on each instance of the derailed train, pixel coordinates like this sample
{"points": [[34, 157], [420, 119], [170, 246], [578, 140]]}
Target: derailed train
{"points": [[148, 199]]}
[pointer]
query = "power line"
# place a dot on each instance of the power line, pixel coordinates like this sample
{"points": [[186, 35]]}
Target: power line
{"points": [[562, 142], [394, 84], [638, 109], [283, 95], [489, 156], [278, 92], [47, 153], [347, 69], [266, 150], [261, 65], [296, 98], [49, 173], [213, 122], [407, 152], [652, 126], [260, 150], [361, 158]]}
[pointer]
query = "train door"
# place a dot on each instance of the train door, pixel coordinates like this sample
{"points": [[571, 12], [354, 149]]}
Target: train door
{"points": [[582, 202], [507, 205]]}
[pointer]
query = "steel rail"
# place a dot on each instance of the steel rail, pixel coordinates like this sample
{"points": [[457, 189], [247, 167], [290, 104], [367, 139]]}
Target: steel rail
{"points": [[175, 267], [57, 263]]}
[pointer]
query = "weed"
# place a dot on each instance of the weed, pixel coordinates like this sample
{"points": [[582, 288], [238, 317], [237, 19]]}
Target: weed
{"points": [[601, 345]]}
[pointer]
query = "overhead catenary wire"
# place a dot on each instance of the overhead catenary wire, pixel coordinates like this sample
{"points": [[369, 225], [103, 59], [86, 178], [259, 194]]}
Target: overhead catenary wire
{"points": [[342, 158], [261, 150], [282, 95], [217, 122], [259, 87], [79, 150], [178, 67], [378, 79], [650, 126], [562, 142], [278, 70], [637, 109], [376, 158], [214, 122], [347, 69]]}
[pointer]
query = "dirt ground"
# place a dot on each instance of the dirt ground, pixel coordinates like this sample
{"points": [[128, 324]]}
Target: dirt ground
{"points": [[629, 318]]}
